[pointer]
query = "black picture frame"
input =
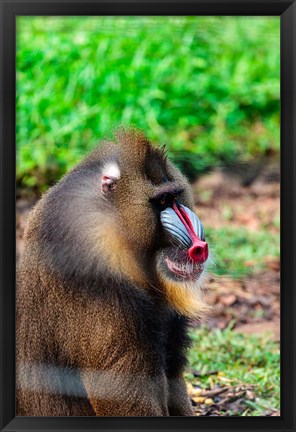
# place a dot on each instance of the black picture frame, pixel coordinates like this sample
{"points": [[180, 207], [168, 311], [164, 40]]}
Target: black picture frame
{"points": [[9, 10]]}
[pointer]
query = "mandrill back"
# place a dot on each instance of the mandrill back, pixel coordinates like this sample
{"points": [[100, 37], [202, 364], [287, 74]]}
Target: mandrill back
{"points": [[109, 276]]}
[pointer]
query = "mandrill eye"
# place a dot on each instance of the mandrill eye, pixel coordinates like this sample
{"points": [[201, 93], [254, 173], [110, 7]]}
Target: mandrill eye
{"points": [[162, 199], [166, 200]]}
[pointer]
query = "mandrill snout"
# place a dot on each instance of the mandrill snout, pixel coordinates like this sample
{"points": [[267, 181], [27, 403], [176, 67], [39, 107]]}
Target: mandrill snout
{"points": [[199, 251], [181, 223]]}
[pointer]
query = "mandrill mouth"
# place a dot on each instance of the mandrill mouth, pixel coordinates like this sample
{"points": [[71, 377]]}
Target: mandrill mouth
{"points": [[179, 267], [186, 261]]}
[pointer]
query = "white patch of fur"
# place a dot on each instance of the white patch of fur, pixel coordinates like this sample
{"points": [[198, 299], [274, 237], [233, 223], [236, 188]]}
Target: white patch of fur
{"points": [[111, 169]]}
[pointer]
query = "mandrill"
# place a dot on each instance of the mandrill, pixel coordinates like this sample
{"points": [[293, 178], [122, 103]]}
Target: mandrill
{"points": [[110, 274]]}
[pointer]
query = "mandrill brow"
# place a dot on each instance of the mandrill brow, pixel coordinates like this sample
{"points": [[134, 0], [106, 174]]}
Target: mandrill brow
{"points": [[170, 189], [111, 271]]}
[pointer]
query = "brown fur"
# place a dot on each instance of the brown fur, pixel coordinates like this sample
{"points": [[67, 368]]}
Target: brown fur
{"points": [[100, 329]]}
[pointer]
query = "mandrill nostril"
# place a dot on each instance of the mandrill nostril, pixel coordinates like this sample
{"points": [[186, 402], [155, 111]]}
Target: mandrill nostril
{"points": [[199, 252]]}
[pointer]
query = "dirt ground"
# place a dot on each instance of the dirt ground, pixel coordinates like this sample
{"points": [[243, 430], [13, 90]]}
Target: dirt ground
{"points": [[254, 301]]}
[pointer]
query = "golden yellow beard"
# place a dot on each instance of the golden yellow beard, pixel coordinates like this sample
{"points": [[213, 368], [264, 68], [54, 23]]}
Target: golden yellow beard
{"points": [[185, 297]]}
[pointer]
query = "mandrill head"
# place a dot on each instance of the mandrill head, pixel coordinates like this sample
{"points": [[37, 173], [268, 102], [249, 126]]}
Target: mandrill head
{"points": [[126, 213]]}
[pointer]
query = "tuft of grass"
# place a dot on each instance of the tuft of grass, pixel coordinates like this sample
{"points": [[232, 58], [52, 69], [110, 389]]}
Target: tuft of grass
{"points": [[237, 359], [239, 252]]}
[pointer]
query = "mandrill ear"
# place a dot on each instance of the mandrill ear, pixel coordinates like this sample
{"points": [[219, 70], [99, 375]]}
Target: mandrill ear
{"points": [[109, 177]]}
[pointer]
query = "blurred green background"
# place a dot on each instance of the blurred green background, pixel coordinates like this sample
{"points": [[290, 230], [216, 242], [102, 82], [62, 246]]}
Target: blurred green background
{"points": [[208, 87]]}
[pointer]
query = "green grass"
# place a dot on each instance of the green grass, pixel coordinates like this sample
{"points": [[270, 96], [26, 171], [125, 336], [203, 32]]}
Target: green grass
{"points": [[238, 252], [238, 358], [202, 85]]}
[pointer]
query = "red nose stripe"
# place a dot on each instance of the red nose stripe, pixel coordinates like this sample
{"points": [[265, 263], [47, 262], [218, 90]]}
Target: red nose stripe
{"points": [[199, 251], [186, 220]]}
